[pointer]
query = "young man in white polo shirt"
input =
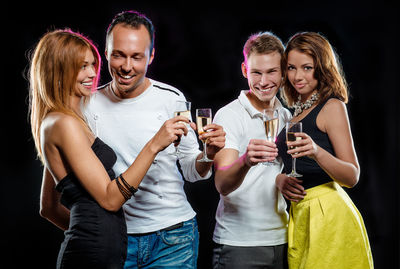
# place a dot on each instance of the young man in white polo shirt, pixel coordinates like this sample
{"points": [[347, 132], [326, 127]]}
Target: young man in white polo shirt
{"points": [[251, 218]]}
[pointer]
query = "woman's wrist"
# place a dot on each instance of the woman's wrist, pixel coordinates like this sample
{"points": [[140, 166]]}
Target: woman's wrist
{"points": [[153, 147]]}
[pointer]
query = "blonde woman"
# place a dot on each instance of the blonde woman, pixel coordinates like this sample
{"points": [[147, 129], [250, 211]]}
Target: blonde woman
{"points": [[325, 228], [63, 72]]}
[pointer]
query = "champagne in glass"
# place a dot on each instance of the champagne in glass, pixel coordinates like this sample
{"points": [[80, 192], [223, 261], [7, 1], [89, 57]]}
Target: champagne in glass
{"points": [[203, 117], [201, 122], [182, 109], [291, 137], [271, 129], [271, 124], [185, 113], [291, 129]]}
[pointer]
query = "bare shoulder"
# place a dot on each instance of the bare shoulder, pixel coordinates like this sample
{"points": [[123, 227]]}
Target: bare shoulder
{"points": [[332, 114], [334, 106], [57, 121], [57, 126]]}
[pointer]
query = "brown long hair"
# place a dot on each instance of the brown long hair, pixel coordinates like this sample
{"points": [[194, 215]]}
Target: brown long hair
{"points": [[328, 70], [53, 72]]}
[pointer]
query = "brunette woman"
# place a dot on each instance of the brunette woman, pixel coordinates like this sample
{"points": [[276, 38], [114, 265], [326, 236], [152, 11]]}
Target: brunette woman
{"points": [[325, 228]]}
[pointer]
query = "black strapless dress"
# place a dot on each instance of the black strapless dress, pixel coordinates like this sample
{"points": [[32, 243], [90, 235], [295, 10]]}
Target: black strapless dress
{"points": [[96, 238]]}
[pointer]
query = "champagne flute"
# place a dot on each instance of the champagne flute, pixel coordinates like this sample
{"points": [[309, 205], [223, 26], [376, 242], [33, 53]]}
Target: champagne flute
{"points": [[291, 129], [182, 109], [271, 124], [203, 117]]}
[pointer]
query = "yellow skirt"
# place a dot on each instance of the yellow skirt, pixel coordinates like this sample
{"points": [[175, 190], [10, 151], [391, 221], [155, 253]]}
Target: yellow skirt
{"points": [[327, 231]]}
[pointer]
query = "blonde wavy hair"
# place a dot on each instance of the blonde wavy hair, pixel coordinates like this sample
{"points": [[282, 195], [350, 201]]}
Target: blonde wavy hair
{"points": [[328, 70], [53, 71]]}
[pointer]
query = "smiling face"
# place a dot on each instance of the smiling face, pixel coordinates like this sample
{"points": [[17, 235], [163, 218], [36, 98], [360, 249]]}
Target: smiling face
{"points": [[263, 72], [128, 54], [87, 74], [300, 72]]}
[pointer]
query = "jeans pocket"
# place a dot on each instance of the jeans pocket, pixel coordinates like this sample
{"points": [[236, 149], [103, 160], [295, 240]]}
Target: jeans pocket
{"points": [[184, 234]]}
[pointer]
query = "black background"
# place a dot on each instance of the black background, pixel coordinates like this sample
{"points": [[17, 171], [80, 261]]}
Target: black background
{"points": [[199, 50]]}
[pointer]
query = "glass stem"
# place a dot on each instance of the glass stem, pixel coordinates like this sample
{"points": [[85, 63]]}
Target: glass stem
{"points": [[204, 149], [293, 165]]}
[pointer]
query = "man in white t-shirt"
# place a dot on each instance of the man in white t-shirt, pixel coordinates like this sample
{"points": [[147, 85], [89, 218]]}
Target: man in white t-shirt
{"points": [[125, 114], [251, 218]]}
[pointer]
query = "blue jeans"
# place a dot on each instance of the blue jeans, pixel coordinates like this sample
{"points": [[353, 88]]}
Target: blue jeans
{"points": [[176, 248]]}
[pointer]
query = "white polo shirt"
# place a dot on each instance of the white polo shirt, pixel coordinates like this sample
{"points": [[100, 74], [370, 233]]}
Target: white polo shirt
{"points": [[255, 213], [126, 125]]}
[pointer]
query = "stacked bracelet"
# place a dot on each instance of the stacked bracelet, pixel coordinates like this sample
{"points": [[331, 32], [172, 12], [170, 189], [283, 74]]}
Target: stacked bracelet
{"points": [[129, 187], [126, 190], [123, 191]]}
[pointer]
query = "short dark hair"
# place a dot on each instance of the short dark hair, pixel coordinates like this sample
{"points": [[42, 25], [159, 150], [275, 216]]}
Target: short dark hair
{"points": [[134, 19]]}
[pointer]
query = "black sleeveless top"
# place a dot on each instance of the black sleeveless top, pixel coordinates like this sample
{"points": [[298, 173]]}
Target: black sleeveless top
{"points": [[313, 174], [96, 238]]}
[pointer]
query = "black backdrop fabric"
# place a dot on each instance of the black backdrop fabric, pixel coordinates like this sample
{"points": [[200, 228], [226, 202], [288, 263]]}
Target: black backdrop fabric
{"points": [[199, 50]]}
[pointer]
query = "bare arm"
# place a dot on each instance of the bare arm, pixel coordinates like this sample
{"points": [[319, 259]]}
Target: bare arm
{"points": [[343, 167], [67, 139], [50, 206], [232, 169]]}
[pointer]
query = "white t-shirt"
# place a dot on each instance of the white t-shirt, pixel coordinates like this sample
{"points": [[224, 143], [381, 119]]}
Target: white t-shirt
{"points": [[255, 213], [126, 125]]}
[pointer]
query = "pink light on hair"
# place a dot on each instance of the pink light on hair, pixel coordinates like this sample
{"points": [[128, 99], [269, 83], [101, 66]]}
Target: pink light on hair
{"points": [[96, 55]]}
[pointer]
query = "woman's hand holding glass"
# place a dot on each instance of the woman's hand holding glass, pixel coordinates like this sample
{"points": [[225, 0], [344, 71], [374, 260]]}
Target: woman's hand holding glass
{"points": [[292, 138], [303, 146], [299, 145], [182, 109], [170, 132]]}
